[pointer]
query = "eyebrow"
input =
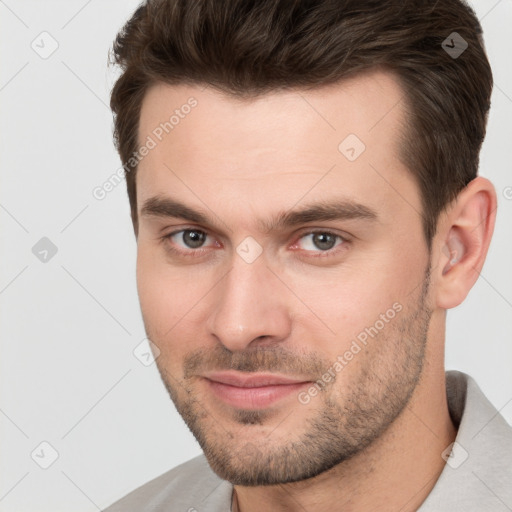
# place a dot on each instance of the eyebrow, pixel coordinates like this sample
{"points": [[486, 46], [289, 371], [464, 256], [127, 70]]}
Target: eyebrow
{"points": [[345, 209]]}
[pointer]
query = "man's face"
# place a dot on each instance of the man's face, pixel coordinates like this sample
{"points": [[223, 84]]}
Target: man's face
{"points": [[288, 342]]}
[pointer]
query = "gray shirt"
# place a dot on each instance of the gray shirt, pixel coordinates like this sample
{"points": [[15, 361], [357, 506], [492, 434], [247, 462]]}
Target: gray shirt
{"points": [[476, 477]]}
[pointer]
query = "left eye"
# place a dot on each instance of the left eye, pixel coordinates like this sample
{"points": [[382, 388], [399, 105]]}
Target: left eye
{"points": [[189, 238], [321, 240]]}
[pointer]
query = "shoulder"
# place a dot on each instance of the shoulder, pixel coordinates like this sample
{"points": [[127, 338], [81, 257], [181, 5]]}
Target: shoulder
{"points": [[478, 470], [185, 488]]}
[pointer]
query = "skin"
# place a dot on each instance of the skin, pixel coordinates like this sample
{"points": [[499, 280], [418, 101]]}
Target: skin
{"points": [[297, 307]]}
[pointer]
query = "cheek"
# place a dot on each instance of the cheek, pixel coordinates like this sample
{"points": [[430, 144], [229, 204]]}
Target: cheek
{"points": [[352, 297], [174, 302], [162, 311], [153, 291], [163, 293]]}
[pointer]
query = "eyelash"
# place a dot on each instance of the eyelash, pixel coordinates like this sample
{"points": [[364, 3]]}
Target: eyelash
{"points": [[194, 253]]}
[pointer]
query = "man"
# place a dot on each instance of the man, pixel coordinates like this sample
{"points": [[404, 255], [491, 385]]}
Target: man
{"points": [[304, 192]]}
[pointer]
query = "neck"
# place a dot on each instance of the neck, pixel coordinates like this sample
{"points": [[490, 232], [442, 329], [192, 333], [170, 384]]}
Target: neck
{"points": [[396, 472]]}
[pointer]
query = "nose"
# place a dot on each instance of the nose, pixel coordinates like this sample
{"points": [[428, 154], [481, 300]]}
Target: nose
{"points": [[250, 307]]}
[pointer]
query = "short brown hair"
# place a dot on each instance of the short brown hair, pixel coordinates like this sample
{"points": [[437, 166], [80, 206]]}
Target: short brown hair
{"points": [[246, 48]]}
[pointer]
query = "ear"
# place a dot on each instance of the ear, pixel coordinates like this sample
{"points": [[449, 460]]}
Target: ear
{"points": [[463, 238]]}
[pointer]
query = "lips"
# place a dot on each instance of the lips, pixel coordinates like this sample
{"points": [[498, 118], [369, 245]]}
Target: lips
{"points": [[251, 391]]}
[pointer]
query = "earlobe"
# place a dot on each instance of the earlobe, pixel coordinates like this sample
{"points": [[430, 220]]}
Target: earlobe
{"points": [[464, 239]]}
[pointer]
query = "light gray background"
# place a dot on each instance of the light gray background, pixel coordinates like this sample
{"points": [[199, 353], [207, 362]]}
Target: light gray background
{"points": [[69, 326]]}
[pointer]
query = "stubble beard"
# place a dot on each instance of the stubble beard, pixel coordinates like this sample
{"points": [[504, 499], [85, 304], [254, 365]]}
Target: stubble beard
{"points": [[340, 428]]}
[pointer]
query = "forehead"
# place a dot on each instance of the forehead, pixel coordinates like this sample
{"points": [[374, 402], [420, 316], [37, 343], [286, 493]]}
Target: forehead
{"points": [[342, 139], [366, 105]]}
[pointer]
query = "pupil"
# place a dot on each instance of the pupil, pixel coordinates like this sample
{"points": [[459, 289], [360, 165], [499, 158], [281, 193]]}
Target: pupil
{"points": [[193, 239], [324, 241]]}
